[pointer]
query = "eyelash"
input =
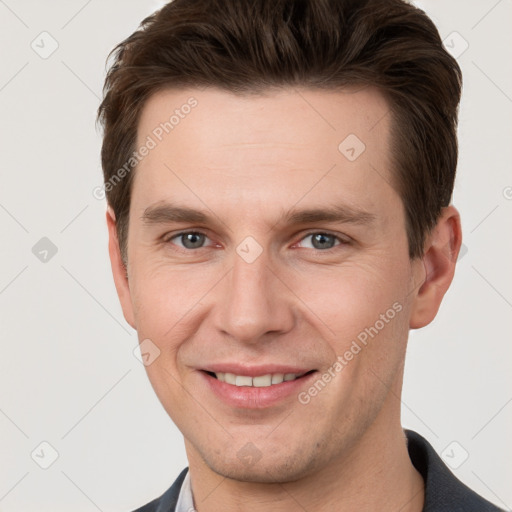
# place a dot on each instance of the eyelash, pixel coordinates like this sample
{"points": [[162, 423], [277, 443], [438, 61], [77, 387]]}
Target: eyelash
{"points": [[341, 240]]}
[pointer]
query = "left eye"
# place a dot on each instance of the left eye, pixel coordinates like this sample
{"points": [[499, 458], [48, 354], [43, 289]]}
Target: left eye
{"points": [[189, 240], [321, 241]]}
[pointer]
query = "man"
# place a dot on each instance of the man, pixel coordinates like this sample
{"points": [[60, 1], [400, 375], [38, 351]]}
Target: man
{"points": [[279, 176]]}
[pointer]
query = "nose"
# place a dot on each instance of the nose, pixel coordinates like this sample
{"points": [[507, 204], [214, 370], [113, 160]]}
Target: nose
{"points": [[253, 302]]}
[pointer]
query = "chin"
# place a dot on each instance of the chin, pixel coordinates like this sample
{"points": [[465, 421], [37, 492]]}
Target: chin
{"points": [[249, 464]]}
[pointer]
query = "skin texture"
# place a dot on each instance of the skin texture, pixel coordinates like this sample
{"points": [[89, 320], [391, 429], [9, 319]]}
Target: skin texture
{"points": [[245, 161]]}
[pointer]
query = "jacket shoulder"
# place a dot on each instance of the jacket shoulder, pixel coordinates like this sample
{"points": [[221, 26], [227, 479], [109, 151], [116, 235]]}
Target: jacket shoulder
{"points": [[167, 501], [444, 492]]}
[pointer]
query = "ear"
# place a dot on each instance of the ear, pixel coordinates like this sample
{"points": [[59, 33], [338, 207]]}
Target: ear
{"points": [[438, 267], [119, 270]]}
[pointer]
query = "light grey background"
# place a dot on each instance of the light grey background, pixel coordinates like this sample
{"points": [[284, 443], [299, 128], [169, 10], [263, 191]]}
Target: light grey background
{"points": [[68, 375]]}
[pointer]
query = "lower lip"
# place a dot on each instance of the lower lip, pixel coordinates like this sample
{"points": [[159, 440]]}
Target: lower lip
{"points": [[250, 397]]}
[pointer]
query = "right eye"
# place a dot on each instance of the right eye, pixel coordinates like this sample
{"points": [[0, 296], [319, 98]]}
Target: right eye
{"points": [[189, 240]]}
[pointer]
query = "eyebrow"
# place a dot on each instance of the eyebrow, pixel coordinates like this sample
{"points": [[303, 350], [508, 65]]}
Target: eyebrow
{"points": [[165, 213], [335, 213]]}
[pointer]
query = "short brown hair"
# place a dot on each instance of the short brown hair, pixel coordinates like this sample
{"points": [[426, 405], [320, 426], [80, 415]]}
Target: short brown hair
{"points": [[246, 46]]}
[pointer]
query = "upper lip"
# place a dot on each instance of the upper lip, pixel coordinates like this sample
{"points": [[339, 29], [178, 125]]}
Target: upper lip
{"points": [[255, 370]]}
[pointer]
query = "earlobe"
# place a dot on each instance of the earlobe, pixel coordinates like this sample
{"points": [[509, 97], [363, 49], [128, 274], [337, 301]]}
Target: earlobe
{"points": [[119, 270], [438, 267]]}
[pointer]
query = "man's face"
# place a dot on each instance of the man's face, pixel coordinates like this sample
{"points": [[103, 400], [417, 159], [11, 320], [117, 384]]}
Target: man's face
{"points": [[261, 290]]}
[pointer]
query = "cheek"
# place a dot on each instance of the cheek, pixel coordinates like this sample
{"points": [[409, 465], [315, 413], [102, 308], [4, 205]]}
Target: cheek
{"points": [[351, 298], [364, 309], [165, 301]]}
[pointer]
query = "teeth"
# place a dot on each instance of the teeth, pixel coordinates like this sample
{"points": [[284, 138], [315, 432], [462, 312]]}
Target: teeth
{"points": [[242, 380], [277, 378], [230, 378], [261, 381]]}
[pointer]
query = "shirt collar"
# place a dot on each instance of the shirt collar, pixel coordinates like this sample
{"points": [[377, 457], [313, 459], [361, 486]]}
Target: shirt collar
{"points": [[185, 501]]}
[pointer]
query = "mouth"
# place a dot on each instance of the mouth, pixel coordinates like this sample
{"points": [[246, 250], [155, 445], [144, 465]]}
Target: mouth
{"points": [[257, 381], [257, 388]]}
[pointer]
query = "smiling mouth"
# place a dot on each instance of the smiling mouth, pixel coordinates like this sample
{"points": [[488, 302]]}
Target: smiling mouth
{"points": [[260, 381]]}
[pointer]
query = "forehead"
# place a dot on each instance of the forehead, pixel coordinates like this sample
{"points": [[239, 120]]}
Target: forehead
{"points": [[271, 147], [297, 115]]}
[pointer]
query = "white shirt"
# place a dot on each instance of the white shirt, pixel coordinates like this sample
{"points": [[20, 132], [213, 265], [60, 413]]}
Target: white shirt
{"points": [[185, 501]]}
